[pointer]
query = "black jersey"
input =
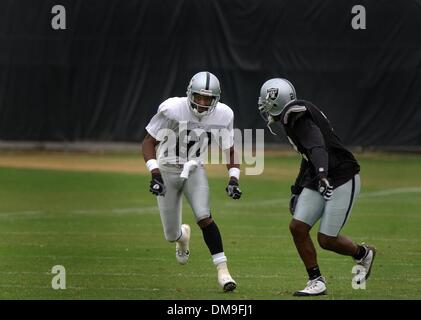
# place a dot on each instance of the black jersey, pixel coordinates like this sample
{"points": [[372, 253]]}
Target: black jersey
{"points": [[311, 134]]}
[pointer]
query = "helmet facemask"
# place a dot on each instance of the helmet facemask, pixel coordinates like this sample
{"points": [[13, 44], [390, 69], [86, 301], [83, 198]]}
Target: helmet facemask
{"points": [[264, 110], [204, 84], [194, 106], [275, 94]]}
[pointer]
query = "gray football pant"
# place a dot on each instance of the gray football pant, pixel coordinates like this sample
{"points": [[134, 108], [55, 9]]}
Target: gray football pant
{"points": [[334, 213], [196, 190]]}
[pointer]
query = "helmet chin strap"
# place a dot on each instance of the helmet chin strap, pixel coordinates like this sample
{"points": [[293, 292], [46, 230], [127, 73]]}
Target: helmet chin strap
{"points": [[270, 121], [268, 117]]}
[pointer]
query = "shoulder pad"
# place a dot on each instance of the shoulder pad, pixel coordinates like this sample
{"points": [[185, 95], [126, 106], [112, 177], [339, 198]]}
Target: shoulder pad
{"points": [[225, 110], [170, 108], [293, 109]]}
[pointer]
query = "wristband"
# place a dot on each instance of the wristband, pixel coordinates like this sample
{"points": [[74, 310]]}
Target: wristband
{"points": [[152, 164], [234, 172], [322, 173]]}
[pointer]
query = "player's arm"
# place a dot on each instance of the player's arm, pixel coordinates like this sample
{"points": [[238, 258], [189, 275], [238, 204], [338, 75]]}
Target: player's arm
{"points": [[297, 188], [298, 181], [148, 149], [233, 188], [155, 134], [231, 156], [312, 140], [233, 166], [157, 186]]}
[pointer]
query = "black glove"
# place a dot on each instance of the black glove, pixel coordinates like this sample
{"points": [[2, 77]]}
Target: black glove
{"points": [[293, 203], [295, 192], [157, 186], [325, 189], [233, 189]]}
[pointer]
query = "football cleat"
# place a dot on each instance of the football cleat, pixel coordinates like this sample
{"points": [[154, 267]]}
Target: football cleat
{"points": [[366, 262], [315, 287], [226, 281], [182, 251]]}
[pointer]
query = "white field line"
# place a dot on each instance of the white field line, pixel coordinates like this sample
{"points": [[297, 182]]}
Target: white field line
{"points": [[58, 257], [114, 211], [250, 259], [76, 233], [152, 289], [137, 210], [234, 204], [96, 288], [141, 235], [285, 201], [407, 277], [388, 192], [270, 293], [20, 213]]}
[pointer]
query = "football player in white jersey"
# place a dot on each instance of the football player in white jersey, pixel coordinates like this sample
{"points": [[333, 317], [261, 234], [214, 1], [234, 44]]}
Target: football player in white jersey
{"points": [[173, 150]]}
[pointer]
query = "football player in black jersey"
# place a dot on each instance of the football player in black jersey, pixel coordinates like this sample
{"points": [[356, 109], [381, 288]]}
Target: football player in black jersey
{"points": [[326, 187]]}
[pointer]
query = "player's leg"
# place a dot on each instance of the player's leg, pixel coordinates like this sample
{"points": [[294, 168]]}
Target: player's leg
{"points": [[339, 244], [301, 235], [196, 190], [307, 211], [170, 213], [336, 213]]}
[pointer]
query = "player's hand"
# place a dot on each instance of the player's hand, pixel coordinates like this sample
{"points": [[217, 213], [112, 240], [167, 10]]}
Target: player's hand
{"points": [[295, 193], [325, 189], [157, 186], [293, 203], [233, 189]]}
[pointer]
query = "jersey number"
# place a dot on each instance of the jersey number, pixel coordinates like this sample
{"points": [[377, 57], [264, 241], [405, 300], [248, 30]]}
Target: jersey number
{"points": [[193, 144]]}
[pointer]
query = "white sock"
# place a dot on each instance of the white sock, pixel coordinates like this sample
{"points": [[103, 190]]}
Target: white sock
{"points": [[219, 259], [222, 268]]}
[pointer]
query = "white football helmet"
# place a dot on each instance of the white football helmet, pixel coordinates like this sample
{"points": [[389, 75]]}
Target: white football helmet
{"points": [[206, 84], [275, 94]]}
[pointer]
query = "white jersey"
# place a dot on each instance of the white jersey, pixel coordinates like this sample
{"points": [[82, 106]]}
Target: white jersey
{"points": [[184, 136]]}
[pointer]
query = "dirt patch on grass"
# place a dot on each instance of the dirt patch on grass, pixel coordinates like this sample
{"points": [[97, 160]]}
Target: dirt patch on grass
{"points": [[278, 164], [121, 163], [73, 162]]}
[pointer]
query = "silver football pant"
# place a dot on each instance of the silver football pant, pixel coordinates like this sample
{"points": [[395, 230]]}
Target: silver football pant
{"points": [[334, 213], [196, 190]]}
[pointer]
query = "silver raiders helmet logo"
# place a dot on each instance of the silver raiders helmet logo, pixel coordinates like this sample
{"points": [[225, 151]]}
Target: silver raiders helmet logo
{"points": [[272, 93]]}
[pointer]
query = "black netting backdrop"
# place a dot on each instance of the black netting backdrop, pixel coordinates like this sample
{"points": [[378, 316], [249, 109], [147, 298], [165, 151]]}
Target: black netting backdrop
{"points": [[103, 77]]}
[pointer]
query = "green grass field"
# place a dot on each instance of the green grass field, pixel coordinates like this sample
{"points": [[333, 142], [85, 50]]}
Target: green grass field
{"points": [[104, 228]]}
